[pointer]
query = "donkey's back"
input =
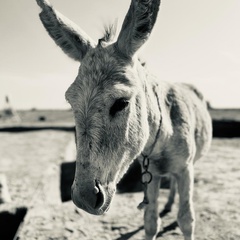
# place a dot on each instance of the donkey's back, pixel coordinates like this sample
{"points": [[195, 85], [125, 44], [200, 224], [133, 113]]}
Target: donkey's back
{"points": [[189, 127], [193, 114]]}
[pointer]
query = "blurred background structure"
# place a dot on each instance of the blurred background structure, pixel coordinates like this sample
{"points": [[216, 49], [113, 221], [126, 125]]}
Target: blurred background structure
{"points": [[8, 113]]}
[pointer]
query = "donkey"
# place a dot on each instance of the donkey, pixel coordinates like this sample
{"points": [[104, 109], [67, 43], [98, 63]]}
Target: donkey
{"points": [[123, 113]]}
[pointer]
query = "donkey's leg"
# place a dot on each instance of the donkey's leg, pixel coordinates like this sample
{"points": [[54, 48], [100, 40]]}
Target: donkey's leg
{"points": [[171, 197], [151, 218], [186, 217]]}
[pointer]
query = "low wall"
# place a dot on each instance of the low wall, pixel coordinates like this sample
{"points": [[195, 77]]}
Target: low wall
{"points": [[221, 128]]}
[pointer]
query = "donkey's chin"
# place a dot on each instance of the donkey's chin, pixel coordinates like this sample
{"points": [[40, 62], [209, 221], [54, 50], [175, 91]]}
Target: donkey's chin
{"points": [[100, 206]]}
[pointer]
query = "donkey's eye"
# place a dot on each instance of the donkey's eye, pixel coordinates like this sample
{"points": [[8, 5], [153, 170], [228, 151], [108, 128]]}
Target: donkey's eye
{"points": [[118, 106]]}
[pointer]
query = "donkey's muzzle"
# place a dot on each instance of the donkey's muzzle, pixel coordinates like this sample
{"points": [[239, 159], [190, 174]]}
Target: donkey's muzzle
{"points": [[90, 197]]}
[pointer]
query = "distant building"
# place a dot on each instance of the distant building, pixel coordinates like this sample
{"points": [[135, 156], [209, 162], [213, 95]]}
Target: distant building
{"points": [[9, 114]]}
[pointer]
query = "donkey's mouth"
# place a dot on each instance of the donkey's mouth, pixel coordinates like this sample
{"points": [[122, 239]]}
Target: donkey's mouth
{"points": [[95, 202]]}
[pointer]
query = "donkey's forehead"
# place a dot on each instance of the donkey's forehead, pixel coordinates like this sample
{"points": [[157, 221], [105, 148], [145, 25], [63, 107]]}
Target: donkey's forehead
{"points": [[103, 64], [102, 70], [103, 67]]}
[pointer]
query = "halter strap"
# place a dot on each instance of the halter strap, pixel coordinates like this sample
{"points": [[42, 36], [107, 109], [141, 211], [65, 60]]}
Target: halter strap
{"points": [[146, 161], [159, 128]]}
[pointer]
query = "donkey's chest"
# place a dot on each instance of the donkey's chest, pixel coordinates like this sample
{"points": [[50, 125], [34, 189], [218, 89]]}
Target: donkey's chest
{"points": [[160, 166]]}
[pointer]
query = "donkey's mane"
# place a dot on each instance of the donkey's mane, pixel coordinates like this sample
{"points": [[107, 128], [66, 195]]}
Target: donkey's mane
{"points": [[109, 34]]}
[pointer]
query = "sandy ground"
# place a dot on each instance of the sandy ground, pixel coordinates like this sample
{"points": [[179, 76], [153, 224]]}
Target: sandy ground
{"points": [[30, 160]]}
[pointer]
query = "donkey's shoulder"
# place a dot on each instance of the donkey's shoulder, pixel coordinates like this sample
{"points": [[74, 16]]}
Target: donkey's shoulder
{"points": [[186, 116]]}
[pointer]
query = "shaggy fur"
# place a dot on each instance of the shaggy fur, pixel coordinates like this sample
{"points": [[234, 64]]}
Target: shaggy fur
{"points": [[119, 108]]}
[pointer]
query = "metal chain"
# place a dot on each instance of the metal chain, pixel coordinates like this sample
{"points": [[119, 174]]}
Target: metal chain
{"points": [[147, 176]]}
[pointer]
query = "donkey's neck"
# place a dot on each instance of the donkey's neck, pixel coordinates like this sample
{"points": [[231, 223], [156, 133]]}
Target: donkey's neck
{"points": [[155, 92]]}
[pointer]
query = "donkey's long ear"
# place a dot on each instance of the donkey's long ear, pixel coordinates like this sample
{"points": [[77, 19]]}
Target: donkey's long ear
{"points": [[137, 25], [73, 41]]}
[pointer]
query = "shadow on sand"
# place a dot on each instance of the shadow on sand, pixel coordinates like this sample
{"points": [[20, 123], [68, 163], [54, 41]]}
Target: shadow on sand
{"points": [[166, 229], [127, 236]]}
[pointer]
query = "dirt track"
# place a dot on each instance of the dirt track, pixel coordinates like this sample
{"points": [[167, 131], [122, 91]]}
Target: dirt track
{"points": [[25, 158]]}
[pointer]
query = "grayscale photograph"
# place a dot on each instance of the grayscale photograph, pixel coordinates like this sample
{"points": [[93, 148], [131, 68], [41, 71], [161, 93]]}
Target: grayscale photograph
{"points": [[119, 120]]}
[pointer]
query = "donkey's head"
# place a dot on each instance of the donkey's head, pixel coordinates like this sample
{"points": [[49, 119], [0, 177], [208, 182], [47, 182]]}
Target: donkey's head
{"points": [[108, 100]]}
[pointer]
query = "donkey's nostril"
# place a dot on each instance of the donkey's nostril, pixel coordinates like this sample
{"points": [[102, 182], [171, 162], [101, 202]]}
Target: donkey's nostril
{"points": [[96, 190], [99, 194]]}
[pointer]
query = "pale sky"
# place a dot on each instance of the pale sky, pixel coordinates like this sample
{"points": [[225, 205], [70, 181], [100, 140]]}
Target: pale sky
{"points": [[193, 41]]}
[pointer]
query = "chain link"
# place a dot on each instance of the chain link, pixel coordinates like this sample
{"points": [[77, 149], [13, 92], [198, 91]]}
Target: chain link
{"points": [[146, 175], [145, 180]]}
